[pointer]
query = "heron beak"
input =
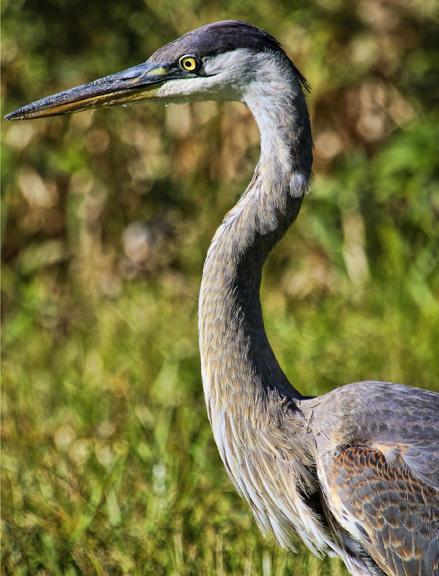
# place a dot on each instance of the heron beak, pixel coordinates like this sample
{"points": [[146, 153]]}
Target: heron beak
{"points": [[138, 83]]}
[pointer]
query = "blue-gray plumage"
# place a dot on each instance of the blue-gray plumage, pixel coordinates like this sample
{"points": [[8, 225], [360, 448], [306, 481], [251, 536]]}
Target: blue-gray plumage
{"points": [[354, 473]]}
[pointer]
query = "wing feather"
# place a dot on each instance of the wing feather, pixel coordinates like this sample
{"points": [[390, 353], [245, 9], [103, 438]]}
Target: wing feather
{"points": [[390, 510]]}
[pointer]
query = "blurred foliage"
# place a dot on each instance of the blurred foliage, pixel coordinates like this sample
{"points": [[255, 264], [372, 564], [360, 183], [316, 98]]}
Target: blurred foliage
{"points": [[108, 463]]}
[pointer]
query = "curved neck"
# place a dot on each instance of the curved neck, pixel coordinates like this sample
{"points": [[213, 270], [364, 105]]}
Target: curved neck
{"points": [[236, 357]]}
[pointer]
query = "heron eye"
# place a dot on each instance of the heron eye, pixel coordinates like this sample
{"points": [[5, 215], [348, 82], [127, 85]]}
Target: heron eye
{"points": [[189, 63]]}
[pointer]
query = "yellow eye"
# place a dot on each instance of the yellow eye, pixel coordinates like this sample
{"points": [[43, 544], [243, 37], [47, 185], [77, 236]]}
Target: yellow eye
{"points": [[189, 63]]}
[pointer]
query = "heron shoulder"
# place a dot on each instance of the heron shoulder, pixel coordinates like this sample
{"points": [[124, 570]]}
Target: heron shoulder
{"points": [[400, 421]]}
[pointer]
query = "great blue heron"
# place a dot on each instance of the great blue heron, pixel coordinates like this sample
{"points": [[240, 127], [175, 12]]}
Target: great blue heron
{"points": [[355, 472]]}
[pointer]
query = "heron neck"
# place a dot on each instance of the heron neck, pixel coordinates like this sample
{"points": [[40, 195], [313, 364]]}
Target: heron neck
{"points": [[237, 359]]}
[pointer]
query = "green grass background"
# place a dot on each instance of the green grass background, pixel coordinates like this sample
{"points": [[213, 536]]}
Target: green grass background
{"points": [[108, 462]]}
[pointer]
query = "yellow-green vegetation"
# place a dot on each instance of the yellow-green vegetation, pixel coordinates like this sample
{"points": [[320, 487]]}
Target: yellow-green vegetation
{"points": [[108, 461]]}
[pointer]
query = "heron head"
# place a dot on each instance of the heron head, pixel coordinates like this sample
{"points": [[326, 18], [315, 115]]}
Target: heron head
{"points": [[219, 61]]}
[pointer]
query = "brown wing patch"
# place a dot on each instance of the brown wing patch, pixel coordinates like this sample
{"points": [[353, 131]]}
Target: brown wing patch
{"points": [[390, 511]]}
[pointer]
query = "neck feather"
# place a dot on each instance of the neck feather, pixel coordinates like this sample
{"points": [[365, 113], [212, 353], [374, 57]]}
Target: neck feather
{"points": [[236, 357]]}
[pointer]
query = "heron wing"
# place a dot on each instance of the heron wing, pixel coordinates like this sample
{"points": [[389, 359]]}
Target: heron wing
{"points": [[422, 458], [389, 510]]}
